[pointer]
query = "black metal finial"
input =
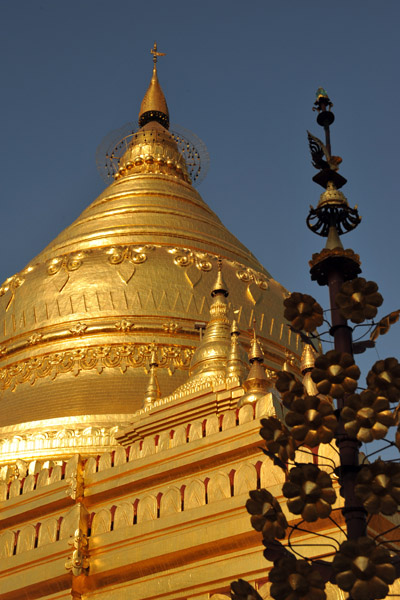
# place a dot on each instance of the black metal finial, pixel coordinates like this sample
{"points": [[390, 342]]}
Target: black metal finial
{"points": [[321, 153], [325, 118], [333, 209]]}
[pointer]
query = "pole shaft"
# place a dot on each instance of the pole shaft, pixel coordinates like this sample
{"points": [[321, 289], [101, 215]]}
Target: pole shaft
{"points": [[348, 446]]}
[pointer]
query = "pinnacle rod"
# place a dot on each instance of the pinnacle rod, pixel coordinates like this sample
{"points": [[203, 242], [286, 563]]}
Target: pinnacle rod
{"points": [[328, 139]]}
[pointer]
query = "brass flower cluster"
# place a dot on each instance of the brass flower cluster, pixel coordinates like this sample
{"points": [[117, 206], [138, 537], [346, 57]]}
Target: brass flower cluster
{"points": [[367, 416], [378, 487], [312, 420], [242, 590], [384, 379], [293, 579], [384, 325], [309, 491], [267, 515], [278, 439], [303, 312], [335, 374], [358, 300], [289, 387], [363, 569]]}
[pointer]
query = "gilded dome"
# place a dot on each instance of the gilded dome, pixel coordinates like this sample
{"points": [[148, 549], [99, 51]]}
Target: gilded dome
{"points": [[132, 274]]}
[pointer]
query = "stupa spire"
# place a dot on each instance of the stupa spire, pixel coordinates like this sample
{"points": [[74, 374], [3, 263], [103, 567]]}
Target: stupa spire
{"points": [[154, 106], [210, 357], [220, 286], [256, 385], [153, 389], [236, 365], [255, 354]]}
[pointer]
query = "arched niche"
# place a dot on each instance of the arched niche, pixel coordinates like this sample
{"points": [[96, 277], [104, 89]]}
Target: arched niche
{"points": [[101, 521], [219, 487], [245, 479], [195, 494], [26, 539], [7, 544], [170, 502], [48, 532], [147, 509], [119, 456], [123, 516]]}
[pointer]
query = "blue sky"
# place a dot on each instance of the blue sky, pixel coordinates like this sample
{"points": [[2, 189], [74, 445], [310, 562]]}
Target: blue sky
{"points": [[242, 76]]}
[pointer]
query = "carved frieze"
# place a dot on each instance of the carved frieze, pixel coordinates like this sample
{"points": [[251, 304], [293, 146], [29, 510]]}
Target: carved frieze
{"points": [[12, 283], [126, 257], [97, 358], [184, 257], [61, 267]]}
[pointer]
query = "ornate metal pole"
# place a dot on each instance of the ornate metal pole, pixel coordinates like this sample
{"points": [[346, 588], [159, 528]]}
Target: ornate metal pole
{"points": [[332, 267], [362, 566]]}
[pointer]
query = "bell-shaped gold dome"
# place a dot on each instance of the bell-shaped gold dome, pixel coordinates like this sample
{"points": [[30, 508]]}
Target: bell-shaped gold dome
{"points": [[133, 271]]}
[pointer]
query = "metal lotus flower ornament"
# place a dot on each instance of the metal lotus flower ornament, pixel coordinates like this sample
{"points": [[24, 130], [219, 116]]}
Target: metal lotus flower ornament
{"points": [[267, 515], [384, 325], [367, 416], [303, 312], [242, 590], [310, 493], [293, 579], [312, 420], [289, 387], [384, 378], [335, 374], [363, 569], [358, 300], [278, 439], [378, 487]]}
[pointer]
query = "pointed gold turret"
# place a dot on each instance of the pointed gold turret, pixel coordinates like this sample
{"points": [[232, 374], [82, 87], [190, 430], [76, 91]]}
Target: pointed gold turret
{"points": [[154, 106], [210, 358], [256, 384], [220, 286], [237, 364], [153, 389], [255, 354]]}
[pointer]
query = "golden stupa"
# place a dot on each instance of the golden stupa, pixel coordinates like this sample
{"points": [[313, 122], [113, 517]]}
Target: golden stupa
{"points": [[129, 413], [133, 272]]}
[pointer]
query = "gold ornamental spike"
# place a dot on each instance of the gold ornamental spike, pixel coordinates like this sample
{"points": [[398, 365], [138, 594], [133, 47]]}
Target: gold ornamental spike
{"points": [[255, 354], [234, 328], [153, 358], [236, 365], [153, 389], [220, 286], [210, 357], [154, 106], [257, 384]]}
